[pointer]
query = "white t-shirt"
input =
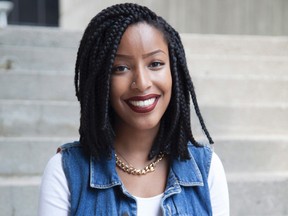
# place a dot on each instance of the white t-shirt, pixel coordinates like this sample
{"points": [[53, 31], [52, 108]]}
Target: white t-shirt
{"points": [[149, 206], [55, 194]]}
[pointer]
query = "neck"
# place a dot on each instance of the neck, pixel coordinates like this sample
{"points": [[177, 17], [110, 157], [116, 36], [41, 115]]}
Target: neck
{"points": [[134, 145]]}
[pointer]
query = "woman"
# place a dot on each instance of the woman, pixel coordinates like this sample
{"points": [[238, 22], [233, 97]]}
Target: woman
{"points": [[136, 154]]}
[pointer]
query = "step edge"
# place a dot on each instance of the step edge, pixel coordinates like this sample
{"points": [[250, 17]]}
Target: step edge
{"points": [[33, 180], [257, 176]]}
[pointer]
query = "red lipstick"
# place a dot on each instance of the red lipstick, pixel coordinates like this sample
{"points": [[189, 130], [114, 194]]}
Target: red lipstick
{"points": [[143, 104]]}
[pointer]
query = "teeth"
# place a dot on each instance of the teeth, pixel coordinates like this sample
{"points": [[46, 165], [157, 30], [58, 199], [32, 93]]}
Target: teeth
{"points": [[144, 103]]}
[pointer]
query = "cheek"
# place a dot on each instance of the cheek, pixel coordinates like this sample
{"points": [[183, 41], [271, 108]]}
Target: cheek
{"points": [[165, 84], [118, 90], [114, 92], [168, 82]]}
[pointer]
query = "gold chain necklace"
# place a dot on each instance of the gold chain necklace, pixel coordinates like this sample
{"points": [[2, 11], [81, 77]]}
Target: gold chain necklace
{"points": [[128, 168]]}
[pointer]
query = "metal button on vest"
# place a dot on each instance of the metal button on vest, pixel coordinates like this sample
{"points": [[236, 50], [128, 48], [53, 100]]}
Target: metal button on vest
{"points": [[125, 214]]}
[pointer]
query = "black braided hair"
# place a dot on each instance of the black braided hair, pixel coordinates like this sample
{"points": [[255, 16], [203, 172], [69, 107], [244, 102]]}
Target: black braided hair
{"points": [[93, 68]]}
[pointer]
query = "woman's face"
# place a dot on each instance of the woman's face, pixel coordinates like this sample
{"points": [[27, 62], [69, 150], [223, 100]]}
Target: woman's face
{"points": [[141, 79]]}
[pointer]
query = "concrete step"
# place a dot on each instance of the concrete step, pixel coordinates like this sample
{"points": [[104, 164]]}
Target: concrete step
{"points": [[61, 118], [59, 58], [39, 37], [26, 156], [39, 118], [35, 85], [49, 85], [253, 153], [242, 119], [235, 45], [259, 194], [19, 195], [38, 58], [237, 65], [241, 89], [55, 49], [238, 154], [194, 43]]}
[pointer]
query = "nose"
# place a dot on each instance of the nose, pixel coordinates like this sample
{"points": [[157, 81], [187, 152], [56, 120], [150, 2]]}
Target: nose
{"points": [[142, 80]]}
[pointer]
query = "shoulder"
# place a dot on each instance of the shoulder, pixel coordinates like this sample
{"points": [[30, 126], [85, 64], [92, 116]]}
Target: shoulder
{"points": [[217, 172], [202, 155], [206, 153], [54, 166], [54, 192], [70, 146], [73, 151], [74, 159], [218, 187]]}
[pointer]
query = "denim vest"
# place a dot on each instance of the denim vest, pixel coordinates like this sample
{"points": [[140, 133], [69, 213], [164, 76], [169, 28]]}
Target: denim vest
{"points": [[96, 188]]}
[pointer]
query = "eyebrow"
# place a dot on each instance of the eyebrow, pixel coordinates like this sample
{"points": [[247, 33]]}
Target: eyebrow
{"points": [[144, 56], [153, 53]]}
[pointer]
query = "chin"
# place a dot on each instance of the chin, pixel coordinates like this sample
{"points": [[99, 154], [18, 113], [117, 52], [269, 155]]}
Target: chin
{"points": [[147, 125]]}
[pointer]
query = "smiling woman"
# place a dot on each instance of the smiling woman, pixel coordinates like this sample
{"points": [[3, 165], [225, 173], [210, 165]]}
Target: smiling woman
{"points": [[136, 154], [141, 81]]}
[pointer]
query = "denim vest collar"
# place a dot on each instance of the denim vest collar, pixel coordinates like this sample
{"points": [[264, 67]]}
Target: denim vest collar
{"points": [[103, 173]]}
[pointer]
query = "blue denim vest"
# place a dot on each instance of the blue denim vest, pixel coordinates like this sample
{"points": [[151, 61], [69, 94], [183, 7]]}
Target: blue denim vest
{"points": [[96, 188]]}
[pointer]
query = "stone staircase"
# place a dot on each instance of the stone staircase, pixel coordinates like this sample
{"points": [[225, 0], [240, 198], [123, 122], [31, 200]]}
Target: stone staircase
{"points": [[242, 88]]}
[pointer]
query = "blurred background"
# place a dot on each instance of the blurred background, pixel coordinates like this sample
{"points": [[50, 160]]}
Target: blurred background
{"points": [[237, 52]]}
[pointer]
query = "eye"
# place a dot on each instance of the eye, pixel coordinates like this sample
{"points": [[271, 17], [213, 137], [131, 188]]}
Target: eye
{"points": [[156, 65], [120, 68]]}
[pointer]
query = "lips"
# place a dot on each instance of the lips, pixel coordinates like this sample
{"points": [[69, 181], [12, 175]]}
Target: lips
{"points": [[143, 104]]}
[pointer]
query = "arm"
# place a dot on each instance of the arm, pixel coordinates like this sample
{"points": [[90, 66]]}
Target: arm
{"points": [[54, 192], [218, 188]]}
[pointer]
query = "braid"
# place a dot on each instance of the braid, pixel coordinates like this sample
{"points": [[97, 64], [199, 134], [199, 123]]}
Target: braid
{"points": [[187, 80], [95, 59], [190, 87]]}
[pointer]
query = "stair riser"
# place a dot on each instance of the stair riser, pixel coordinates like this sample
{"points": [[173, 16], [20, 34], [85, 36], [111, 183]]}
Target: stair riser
{"points": [[242, 120], [37, 119], [199, 44], [248, 156], [220, 65], [37, 87], [235, 45], [63, 59], [227, 91], [39, 37], [210, 90], [253, 155], [39, 58], [256, 198], [19, 200], [17, 156]]}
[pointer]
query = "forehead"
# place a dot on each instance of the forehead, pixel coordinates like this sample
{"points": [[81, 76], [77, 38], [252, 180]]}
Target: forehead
{"points": [[142, 36]]}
